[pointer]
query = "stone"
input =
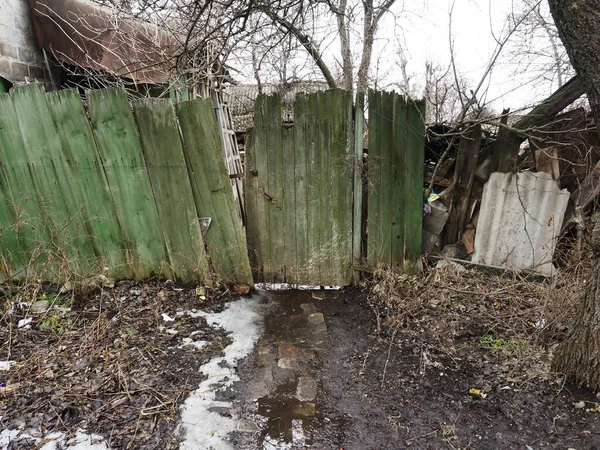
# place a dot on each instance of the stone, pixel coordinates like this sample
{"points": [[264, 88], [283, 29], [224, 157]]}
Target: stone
{"points": [[265, 360], [40, 307], [287, 363], [318, 295], [264, 374], [316, 319], [306, 390], [287, 351], [264, 350], [19, 70], [309, 308], [247, 426]]}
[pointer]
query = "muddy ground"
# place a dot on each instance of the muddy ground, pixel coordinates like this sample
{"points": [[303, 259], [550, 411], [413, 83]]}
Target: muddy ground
{"points": [[448, 361], [453, 359], [117, 362]]}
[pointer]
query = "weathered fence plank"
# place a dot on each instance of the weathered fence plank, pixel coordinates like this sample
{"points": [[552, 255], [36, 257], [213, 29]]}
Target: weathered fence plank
{"points": [[302, 180], [289, 199], [395, 209], [212, 191], [85, 178], [313, 191], [163, 153], [374, 236], [397, 182], [119, 147], [63, 214], [413, 206]]}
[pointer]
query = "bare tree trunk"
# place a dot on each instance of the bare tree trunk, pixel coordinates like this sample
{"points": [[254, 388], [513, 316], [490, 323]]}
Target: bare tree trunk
{"points": [[344, 31], [579, 354], [578, 23], [365, 62]]}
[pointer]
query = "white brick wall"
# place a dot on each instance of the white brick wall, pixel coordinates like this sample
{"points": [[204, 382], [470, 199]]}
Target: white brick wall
{"points": [[20, 56]]}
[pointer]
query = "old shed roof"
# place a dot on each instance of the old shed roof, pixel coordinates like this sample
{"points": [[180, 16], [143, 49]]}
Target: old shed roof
{"points": [[80, 33]]}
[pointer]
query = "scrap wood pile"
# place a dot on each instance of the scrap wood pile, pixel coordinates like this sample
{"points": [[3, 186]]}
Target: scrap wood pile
{"points": [[510, 193], [118, 362], [502, 328]]}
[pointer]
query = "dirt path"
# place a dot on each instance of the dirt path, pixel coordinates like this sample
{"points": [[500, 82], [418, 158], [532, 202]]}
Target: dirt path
{"points": [[320, 379]]}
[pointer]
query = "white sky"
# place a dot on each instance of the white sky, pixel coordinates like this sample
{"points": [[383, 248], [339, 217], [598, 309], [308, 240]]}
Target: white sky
{"points": [[474, 25], [423, 27]]}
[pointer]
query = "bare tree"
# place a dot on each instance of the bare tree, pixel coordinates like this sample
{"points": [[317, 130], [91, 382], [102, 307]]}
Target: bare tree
{"points": [[578, 23]]}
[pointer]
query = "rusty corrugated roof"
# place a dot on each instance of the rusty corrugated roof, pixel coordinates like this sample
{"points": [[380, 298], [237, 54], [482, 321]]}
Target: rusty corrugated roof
{"points": [[520, 220], [80, 33]]}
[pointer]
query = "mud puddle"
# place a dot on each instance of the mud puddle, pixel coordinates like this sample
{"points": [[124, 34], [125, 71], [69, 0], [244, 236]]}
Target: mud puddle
{"points": [[280, 389]]}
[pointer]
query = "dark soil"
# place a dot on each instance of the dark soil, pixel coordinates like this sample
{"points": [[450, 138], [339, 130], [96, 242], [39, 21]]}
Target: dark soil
{"points": [[405, 378], [103, 361]]}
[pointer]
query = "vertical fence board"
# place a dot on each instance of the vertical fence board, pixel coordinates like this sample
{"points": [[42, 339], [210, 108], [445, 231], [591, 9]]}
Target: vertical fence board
{"points": [[386, 207], [63, 215], [86, 180], [251, 186], [290, 209], [163, 153], [374, 179], [212, 191], [415, 154], [355, 131], [326, 252], [398, 162], [302, 180]]}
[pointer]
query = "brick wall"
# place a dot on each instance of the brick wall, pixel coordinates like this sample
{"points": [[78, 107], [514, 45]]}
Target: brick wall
{"points": [[20, 56]]}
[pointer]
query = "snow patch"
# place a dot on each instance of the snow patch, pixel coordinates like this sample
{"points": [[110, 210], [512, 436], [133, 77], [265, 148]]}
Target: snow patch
{"points": [[203, 426], [55, 441]]}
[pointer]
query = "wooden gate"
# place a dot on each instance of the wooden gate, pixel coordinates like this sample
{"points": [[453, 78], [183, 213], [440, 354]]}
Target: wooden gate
{"points": [[303, 175], [299, 190]]}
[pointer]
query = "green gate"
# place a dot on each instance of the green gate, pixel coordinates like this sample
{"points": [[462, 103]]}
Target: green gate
{"points": [[302, 179]]}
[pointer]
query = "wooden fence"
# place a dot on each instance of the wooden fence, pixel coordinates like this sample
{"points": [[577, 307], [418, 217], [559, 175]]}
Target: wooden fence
{"points": [[395, 181], [304, 181], [299, 190], [115, 188]]}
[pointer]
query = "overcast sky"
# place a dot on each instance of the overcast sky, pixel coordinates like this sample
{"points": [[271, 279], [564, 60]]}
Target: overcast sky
{"points": [[475, 24], [422, 27]]}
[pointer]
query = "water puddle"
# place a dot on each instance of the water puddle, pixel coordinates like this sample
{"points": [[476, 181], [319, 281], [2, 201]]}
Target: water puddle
{"points": [[287, 402]]}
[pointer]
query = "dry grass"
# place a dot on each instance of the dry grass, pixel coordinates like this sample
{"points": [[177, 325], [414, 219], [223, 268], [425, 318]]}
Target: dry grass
{"points": [[102, 362], [511, 322]]}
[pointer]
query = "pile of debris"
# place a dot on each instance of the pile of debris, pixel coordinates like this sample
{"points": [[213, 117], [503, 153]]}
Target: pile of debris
{"points": [[507, 199]]}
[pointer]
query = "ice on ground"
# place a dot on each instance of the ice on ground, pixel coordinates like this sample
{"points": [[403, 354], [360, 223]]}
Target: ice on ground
{"points": [[202, 428], [54, 441]]}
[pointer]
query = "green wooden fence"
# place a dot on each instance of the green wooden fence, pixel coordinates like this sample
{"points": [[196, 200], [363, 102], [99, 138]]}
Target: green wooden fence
{"points": [[115, 188], [303, 188], [299, 181], [395, 181]]}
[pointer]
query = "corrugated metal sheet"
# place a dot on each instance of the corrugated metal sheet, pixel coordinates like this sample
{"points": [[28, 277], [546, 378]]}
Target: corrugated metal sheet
{"points": [[86, 35], [520, 220]]}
